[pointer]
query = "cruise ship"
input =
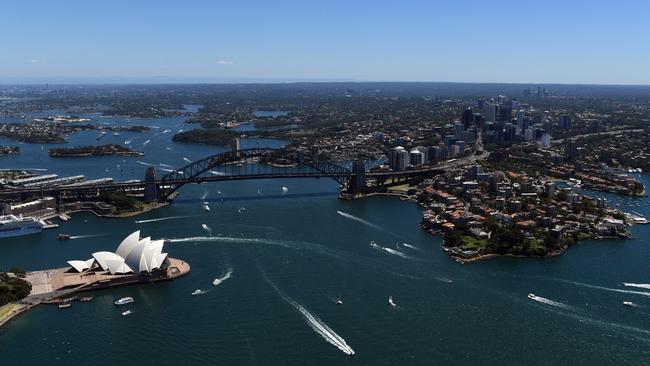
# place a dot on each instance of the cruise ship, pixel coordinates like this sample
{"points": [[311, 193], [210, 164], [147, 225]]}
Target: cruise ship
{"points": [[11, 225]]}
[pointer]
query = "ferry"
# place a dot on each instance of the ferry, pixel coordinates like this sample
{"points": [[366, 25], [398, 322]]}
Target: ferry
{"points": [[125, 313], [123, 301], [11, 225]]}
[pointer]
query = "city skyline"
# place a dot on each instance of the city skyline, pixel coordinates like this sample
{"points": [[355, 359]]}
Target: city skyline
{"points": [[467, 41]]}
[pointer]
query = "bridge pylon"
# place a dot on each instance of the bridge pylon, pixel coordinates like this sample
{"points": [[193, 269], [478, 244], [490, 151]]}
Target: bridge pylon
{"points": [[151, 189], [358, 181]]}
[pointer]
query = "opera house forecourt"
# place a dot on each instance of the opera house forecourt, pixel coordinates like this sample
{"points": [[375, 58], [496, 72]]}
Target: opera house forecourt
{"points": [[136, 260]]}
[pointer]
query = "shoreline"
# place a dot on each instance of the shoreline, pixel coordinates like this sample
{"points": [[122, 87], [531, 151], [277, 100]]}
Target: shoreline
{"points": [[177, 268]]}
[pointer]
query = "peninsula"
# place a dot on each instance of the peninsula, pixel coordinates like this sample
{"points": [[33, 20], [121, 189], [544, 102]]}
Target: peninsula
{"points": [[135, 261], [101, 150]]}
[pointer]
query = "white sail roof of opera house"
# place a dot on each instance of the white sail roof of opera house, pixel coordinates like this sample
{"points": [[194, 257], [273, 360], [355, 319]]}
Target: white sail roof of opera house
{"points": [[133, 255]]}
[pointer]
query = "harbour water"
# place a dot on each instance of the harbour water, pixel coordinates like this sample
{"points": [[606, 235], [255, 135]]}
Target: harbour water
{"points": [[290, 255]]}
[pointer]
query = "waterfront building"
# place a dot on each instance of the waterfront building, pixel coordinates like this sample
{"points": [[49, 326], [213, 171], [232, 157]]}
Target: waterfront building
{"points": [[434, 154], [133, 255], [398, 158], [425, 152], [416, 157]]}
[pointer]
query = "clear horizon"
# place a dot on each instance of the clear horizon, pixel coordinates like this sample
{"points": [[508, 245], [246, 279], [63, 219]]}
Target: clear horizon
{"points": [[466, 41]]}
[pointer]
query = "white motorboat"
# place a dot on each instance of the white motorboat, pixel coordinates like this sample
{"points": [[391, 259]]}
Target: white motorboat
{"points": [[124, 301], [391, 302], [125, 313], [198, 292]]}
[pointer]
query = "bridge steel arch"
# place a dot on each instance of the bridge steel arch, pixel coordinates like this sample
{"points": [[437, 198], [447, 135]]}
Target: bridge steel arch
{"points": [[195, 172]]}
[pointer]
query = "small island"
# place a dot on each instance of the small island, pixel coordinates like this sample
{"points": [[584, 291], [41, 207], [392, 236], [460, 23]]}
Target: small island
{"points": [[210, 136], [101, 150]]}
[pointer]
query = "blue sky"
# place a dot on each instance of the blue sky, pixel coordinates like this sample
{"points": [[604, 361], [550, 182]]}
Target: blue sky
{"points": [[549, 41]]}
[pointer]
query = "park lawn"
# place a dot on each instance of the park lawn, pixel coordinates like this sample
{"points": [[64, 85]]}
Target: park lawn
{"points": [[471, 243], [401, 188]]}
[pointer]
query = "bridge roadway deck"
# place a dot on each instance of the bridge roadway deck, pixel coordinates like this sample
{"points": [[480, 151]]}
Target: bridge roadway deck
{"points": [[140, 185]]}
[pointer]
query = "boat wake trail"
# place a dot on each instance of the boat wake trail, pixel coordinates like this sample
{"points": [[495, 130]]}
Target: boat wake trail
{"points": [[167, 170], [358, 219], [165, 165], [187, 160], [389, 250], [86, 236], [637, 285], [35, 169], [204, 195], [410, 246], [219, 280], [146, 142], [163, 219], [227, 239], [294, 245], [143, 163], [546, 301], [445, 279], [642, 293], [216, 173], [313, 321]]}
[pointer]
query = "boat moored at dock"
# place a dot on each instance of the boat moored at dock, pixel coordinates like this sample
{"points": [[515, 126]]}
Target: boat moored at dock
{"points": [[11, 225]]}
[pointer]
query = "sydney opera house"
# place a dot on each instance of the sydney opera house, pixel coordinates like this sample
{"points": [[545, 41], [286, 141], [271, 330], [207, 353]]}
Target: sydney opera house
{"points": [[133, 255]]}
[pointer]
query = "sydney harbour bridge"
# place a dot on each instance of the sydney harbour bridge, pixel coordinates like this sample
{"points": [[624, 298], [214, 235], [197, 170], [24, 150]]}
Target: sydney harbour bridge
{"points": [[245, 164]]}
